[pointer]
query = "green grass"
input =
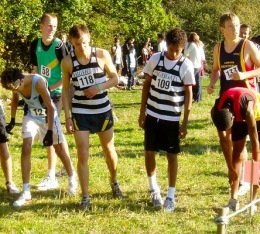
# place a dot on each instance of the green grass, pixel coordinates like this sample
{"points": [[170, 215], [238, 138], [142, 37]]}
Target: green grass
{"points": [[202, 182]]}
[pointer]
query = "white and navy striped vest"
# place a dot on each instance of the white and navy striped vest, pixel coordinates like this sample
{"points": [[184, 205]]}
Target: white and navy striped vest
{"points": [[166, 95], [84, 76]]}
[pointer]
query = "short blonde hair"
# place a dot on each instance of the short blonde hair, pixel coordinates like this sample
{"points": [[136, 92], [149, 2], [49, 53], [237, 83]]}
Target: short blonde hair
{"points": [[226, 17]]}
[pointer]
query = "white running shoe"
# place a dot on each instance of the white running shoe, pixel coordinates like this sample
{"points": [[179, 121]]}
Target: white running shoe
{"points": [[25, 197], [156, 198], [168, 205], [244, 187], [73, 186], [11, 188], [233, 204], [47, 184]]}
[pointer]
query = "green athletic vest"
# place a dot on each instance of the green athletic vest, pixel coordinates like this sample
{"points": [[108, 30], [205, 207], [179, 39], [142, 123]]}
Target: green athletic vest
{"points": [[48, 64]]}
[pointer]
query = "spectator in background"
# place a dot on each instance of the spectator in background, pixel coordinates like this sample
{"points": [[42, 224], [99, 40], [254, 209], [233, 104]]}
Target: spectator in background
{"points": [[195, 52], [245, 31], [116, 52], [66, 43], [129, 61], [161, 42], [146, 51]]}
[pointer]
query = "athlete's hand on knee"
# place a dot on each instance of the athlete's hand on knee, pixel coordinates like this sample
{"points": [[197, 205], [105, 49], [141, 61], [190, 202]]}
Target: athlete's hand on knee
{"points": [[48, 139], [10, 126]]}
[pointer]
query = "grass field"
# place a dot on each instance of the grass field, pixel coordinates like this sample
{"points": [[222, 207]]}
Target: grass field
{"points": [[202, 182]]}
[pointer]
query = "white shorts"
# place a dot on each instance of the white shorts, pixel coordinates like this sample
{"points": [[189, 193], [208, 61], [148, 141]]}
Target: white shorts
{"points": [[37, 130]]}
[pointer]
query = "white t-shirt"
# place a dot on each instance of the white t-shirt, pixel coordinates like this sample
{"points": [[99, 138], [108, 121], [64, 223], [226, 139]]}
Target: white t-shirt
{"points": [[194, 53], [186, 70], [162, 46]]}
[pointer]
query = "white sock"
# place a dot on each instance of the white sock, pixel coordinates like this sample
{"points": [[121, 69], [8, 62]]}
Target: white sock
{"points": [[153, 183], [72, 178], [26, 187], [51, 173], [242, 173], [171, 192]]}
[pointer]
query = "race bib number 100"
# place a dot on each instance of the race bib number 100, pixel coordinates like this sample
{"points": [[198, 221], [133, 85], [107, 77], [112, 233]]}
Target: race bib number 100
{"points": [[45, 71], [228, 72], [86, 80]]}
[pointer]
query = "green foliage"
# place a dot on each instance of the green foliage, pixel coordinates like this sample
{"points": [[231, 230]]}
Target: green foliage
{"points": [[108, 18], [202, 17]]}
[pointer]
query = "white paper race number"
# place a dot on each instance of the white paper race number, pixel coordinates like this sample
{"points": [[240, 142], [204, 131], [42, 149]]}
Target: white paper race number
{"points": [[38, 112], [45, 71], [228, 72], [86, 80], [163, 83]]}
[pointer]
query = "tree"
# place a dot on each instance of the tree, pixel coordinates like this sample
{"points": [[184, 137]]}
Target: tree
{"points": [[105, 19]]}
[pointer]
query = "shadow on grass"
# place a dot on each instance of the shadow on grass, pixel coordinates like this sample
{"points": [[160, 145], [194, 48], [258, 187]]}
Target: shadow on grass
{"points": [[100, 202]]}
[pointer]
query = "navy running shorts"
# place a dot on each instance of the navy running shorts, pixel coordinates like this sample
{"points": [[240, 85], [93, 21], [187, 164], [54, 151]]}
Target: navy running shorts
{"points": [[93, 123]]}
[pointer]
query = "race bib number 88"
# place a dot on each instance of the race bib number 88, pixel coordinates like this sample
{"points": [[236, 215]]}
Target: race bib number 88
{"points": [[86, 80]]}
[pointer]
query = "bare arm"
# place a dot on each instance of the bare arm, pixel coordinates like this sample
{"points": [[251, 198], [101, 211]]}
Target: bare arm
{"points": [[145, 92], [252, 131], [54, 86], [187, 108], [43, 91], [215, 73], [251, 57], [66, 67], [14, 104]]}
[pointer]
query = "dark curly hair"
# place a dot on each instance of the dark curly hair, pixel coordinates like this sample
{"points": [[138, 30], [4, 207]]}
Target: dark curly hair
{"points": [[222, 119], [176, 37], [9, 77]]}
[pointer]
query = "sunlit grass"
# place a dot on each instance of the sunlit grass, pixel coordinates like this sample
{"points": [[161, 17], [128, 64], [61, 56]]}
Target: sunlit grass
{"points": [[202, 182]]}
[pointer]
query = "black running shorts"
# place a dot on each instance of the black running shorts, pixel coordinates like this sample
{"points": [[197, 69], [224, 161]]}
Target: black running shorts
{"points": [[161, 135]]}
